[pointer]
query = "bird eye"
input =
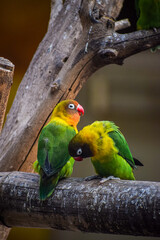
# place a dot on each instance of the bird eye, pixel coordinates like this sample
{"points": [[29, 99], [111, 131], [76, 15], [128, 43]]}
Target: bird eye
{"points": [[79, 151], [71, 106]]}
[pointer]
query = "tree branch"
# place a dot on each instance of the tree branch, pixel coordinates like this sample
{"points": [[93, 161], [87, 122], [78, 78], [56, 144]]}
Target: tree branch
{"points": [[64, 60], [122, 24], [116, 206], [6, 80]]}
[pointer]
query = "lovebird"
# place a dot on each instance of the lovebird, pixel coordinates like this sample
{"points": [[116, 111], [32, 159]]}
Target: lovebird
{"points": [[108, 149], [53, 159], [148, 12]]}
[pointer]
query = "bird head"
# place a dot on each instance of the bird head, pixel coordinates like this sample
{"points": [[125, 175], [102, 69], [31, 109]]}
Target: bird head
{"points": [[68, 110], [82, 145]]}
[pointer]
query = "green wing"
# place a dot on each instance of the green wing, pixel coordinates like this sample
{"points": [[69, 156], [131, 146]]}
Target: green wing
{"points": [[53, 147], [122, 146]]}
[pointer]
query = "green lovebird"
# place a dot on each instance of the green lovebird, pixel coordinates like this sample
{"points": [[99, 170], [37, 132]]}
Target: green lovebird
{"points": [[148, 12], [108, 149], [53, 159]]}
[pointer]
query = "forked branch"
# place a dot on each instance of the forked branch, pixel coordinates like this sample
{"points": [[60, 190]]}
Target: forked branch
{"points": [[65, 59]]}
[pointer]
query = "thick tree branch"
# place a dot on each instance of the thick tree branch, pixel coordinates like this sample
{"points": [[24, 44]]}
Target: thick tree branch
{"points": [[122, 24], [65, 59], [116, 206], [6, 80]]}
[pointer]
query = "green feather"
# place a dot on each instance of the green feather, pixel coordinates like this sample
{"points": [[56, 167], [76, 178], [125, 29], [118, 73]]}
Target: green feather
{"points": [[53, 147], [48, 184], [122, 146], [54, 161], [148, 12], [36, 167], [119, 162], [107, 147]]}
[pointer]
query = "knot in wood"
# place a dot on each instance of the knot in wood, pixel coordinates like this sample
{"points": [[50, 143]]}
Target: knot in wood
{"points": [[6, 64], [93, 11], [108, 53], [55, 85], [109, 22]]}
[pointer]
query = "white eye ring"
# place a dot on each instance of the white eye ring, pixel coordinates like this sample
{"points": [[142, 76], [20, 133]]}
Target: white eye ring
{"points": [[79, 151], [71, 106]]}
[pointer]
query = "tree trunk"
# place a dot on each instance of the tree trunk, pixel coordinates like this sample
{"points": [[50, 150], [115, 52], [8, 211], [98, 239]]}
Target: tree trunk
{"points": [[114, 206], [64, 60]]}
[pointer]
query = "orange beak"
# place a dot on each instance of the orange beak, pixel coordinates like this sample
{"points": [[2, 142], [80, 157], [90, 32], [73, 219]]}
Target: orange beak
{"points": [[80, 110]]}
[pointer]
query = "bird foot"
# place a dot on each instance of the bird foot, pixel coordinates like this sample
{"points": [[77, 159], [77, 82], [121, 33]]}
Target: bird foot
{"points": [[155, 29], [109, 178], [92, 177]]}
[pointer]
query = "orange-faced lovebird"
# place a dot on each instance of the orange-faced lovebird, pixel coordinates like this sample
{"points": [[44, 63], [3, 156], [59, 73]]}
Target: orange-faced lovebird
{"points": [[53, 159], [108, 149]]}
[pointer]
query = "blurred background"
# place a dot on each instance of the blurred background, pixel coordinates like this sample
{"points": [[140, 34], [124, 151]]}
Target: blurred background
{"points": [[129, 95]]}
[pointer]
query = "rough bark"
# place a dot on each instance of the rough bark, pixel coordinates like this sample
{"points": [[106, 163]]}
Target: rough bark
{"points": [[64, 60], [6, 80], [4, 232], [115, 206]]}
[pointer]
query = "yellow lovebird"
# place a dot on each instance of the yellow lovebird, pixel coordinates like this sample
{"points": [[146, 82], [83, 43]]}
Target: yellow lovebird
{"points": [[108, 149]]}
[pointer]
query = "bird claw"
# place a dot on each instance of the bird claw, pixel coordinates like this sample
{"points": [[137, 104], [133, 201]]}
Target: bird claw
{"points": [[92, 178], [155, 29], [109, 178]]}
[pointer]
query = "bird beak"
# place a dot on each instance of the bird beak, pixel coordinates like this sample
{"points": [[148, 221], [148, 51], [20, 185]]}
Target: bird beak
{"points": [[80, 110], [78, 159]]}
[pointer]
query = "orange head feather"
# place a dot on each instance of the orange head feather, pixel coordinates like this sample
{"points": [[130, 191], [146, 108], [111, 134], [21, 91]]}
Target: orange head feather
{"points": [[68, 110]]}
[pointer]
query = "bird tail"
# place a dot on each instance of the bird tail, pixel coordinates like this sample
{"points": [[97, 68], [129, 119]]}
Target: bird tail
{"points": [[47, 185], [137, 162]]}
